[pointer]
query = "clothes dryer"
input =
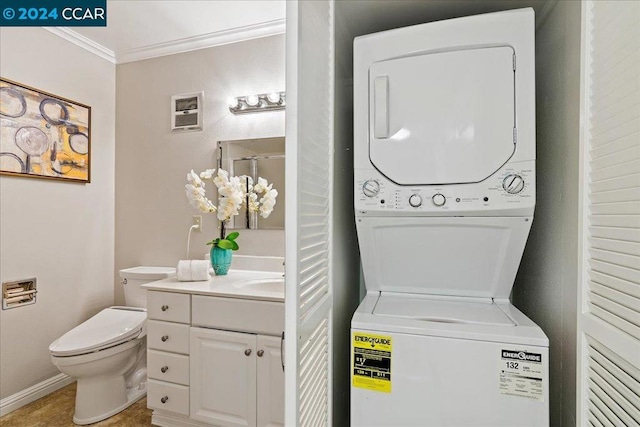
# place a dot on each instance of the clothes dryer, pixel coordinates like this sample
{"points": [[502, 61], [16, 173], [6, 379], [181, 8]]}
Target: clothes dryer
{"points": [[444, 171]]}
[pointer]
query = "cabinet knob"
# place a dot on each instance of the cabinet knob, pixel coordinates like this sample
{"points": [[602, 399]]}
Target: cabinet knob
{"points": [[164, 369], [260, 353], [164, 399], [164, 307], [164, 338], [247, 352]]}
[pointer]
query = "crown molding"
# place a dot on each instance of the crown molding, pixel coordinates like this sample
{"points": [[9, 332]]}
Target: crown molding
{"points": [[187, 44], [83, 42], [203, 41]]}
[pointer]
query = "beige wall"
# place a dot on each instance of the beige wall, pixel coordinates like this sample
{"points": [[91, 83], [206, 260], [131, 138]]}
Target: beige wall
{"points": [[546, 285], [153, 215], [61, 233]]}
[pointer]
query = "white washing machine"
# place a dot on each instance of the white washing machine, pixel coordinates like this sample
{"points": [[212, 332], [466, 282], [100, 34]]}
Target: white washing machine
{"points": [[444, 157]]}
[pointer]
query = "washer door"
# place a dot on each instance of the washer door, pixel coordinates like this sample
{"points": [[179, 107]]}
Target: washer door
{"points": [[442, 118], [454, 256]]}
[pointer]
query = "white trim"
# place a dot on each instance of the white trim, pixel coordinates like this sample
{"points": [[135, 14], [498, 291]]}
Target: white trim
{"points": [[187, 44], [83, 42], [582, 365], [292, 185], [33, 393], [203, 41], [170, 419]]}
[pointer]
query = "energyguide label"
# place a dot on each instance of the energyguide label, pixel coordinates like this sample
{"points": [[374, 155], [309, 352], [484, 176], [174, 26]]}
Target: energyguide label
{"points": [[521, 374], [372, 362]]}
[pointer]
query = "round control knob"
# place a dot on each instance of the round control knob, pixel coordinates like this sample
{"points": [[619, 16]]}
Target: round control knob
{"points": [[415, 200], [371, 188], [513, 184], [439, 199]]}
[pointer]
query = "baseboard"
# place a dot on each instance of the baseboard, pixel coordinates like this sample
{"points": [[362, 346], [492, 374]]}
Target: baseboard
{"points": [[170, 419], [33, 393]]}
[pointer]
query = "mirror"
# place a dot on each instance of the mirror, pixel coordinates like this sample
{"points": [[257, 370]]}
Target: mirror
{"points": [[261, 157]]}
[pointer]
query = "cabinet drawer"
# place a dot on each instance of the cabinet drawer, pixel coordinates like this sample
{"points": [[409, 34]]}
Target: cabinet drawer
{"points": [[167, 336], [167, 396], [260, 317], [169, 306], [168, 367]]}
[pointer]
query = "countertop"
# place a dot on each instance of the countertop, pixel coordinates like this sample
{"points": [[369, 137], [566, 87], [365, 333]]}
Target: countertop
{"points": [[236, 284]]}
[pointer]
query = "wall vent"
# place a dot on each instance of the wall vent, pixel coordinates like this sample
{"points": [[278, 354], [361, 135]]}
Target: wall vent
{"points": [[18, 293], [186, 112]]}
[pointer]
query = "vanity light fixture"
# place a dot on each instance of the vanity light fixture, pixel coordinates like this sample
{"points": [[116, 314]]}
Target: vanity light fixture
{"points": [[254, 103]]}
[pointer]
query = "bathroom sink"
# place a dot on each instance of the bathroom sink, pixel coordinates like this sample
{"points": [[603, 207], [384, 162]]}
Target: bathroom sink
{"points": [[273, 284]]}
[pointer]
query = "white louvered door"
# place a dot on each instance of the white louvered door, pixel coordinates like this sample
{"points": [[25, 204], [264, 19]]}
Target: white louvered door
{"points": [[309, 171], [609, 322]]}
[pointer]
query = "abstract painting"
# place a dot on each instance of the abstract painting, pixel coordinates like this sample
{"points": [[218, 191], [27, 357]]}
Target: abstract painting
{"points": [[43, 135]]}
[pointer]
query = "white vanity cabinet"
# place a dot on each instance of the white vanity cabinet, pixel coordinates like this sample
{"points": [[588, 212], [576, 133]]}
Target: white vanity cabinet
{"points": [[214, 361], [168, 316], [245, 385]]}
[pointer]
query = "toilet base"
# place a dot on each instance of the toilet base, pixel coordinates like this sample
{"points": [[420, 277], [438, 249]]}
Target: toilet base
{"points": [[132, 396]]}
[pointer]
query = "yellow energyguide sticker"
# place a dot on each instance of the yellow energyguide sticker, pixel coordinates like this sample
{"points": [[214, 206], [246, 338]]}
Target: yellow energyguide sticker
{"points": [[372, 362]]}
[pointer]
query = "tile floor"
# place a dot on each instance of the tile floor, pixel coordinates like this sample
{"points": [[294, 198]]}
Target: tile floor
{"points": [[56, 410]]}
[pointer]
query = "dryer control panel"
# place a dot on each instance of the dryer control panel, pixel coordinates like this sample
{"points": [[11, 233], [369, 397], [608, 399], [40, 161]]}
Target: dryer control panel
{"points": [[511, 191]]}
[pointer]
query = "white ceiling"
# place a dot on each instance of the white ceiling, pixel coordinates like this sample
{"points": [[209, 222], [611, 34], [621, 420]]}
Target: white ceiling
{"points": [[141, 29], [139, 25]]}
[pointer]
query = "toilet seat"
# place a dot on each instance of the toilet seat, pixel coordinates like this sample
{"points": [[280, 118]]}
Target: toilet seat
{"points": [[110, 327]]}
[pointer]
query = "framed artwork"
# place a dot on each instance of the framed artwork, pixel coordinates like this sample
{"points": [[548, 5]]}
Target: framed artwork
{"points": [[43, 135]]}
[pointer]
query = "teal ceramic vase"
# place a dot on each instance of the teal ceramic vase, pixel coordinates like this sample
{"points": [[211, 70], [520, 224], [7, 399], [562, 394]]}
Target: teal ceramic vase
{"points": [[220, 260]]}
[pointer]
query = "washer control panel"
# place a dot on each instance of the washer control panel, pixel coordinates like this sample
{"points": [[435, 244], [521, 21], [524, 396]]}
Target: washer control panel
{"points": [[512, 187], [371, 188], [513, 183], [439, 199], [415, 200]]}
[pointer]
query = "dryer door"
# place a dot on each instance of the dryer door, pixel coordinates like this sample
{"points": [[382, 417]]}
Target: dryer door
{"points": [[442, 118]]}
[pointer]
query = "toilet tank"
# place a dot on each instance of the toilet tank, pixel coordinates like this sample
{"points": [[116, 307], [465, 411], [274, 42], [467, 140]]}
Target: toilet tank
{"points": [[133, 278]]}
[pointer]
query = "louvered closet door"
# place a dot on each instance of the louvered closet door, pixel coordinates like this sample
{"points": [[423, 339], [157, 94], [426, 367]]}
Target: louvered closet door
{"points": [[609, 325], [309, 148]]}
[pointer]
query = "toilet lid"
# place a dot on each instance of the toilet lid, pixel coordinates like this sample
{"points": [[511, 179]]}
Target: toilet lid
{"points": [[110, 327]]}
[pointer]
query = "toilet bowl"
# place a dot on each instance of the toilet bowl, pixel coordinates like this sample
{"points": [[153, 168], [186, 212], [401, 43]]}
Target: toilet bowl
{"points": [[107, 353]]}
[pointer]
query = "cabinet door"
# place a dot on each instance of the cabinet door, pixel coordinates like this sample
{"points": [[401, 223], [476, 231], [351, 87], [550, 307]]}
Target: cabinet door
{"points": [[270, 382], [223, 377]]}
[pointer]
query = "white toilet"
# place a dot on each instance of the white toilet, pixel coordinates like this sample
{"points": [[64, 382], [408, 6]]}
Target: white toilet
{"points": [[107, 353]]}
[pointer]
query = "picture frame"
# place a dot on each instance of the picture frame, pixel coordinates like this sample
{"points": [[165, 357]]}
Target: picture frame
{"points": [[43, 135]]}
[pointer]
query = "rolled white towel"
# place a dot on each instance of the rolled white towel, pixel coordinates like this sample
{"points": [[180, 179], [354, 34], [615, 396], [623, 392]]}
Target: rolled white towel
{"points": [[199, 270], [192, 270]]}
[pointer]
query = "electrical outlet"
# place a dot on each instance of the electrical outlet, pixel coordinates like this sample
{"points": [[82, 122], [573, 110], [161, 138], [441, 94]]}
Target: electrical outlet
{"points": [[197, 220]]}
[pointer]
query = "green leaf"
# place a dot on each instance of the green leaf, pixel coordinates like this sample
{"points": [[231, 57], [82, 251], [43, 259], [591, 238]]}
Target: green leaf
{"points": [[235, 246], [233, 236], [225, 244], [214, 241]]}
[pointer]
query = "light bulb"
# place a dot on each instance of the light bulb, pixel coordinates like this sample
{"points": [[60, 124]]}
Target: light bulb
{"points": [[233, 102], [274, 97], [252, 100]]}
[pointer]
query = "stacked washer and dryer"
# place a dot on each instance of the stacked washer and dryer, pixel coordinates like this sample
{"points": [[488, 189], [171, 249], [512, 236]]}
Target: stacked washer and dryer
{"points": [[444, 158]]}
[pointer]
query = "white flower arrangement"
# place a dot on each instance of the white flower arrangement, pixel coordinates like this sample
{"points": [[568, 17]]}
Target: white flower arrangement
{"points": [[233, 192]]}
